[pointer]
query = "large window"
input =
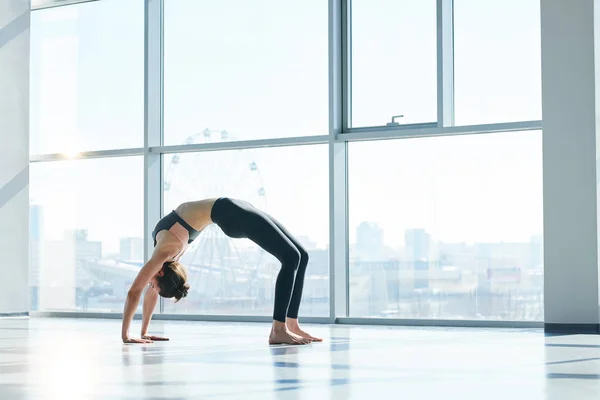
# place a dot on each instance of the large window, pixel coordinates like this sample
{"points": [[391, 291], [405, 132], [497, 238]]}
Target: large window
{"points": [[85, 234], [447, 228], [87, 77], [252, 69], [394, 53], [234, 276], [439, 228], [497, 61]]}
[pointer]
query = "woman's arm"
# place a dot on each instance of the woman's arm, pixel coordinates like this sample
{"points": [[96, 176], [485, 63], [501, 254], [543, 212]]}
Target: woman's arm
{"points": [[150, 300], [131, 303], [161, 255]]}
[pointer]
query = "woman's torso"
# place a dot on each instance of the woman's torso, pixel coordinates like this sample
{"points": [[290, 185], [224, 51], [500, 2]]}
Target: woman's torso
{"points": [[196, 214]]}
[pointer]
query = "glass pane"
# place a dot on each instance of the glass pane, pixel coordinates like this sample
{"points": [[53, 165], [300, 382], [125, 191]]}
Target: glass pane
{"points": [[85, 234], [256, 69], [87, 77], [234, 276], [497, 64], [447, 228], [394, 56]]}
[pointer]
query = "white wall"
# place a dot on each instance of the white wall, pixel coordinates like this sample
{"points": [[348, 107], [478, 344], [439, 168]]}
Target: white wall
{"points": [[570, 131], [14, 156]]}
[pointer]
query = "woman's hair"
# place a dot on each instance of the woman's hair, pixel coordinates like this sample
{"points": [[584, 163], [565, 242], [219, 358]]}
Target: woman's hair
{"points": [[173, 283]]}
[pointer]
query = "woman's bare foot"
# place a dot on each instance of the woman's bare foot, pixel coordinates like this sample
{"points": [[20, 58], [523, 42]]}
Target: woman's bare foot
{"points": [[292, 326], [281, 335]]}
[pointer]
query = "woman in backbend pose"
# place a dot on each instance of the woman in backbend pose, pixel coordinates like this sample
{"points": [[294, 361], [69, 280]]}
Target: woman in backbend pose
{"points": [[238, 219]]}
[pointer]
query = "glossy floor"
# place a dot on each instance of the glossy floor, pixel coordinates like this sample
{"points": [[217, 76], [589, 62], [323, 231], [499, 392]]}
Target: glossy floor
{"points": [[85, 359]]}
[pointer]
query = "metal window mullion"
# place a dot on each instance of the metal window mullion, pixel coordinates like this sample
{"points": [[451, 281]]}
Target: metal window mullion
{"points": [[445, 62], [381, 134], [400, 128], [483, 323], [153, 119], [241, 144], [86, 155], [345, 62], [338, 119]]}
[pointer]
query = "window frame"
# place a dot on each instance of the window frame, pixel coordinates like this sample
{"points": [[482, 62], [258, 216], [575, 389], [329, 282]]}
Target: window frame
{"points": [[339, 135]]}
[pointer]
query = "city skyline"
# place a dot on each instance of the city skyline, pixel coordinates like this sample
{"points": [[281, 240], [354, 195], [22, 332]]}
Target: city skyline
{"points": [[403, 284], [370, 230]]}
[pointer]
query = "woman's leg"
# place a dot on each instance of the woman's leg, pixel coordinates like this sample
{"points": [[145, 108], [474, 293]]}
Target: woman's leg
{"points": [[294, 306], [296, 298], [241, 220]]}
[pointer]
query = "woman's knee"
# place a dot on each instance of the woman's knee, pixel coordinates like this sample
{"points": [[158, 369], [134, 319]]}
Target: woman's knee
{"points": [[303, 257], [291, 257]]}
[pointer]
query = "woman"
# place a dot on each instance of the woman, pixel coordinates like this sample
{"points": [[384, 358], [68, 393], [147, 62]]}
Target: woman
{"points": [[237, 219]]}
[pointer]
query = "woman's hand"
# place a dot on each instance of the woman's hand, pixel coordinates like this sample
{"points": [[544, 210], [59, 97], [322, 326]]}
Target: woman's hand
{"points": [[157, 338], [134, 340]]}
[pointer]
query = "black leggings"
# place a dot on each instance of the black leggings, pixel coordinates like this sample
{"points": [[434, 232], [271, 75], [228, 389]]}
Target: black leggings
{"points": [[239, 219]]}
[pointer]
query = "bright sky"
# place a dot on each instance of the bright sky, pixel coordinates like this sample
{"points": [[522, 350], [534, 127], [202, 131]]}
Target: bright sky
{"points": [[259, 70]]}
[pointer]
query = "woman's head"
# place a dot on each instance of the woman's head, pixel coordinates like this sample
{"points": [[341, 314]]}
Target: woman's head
{"points": [[172, 281]]}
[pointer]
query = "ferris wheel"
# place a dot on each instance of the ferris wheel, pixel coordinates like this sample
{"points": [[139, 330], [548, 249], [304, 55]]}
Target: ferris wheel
{"points": [[216, 261]]}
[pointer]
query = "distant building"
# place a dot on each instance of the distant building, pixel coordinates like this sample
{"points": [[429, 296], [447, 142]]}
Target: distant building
{"points": [[307, 243], [84, 249], [369, 241], [36, 218], [417, 243], [131, 249]]}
